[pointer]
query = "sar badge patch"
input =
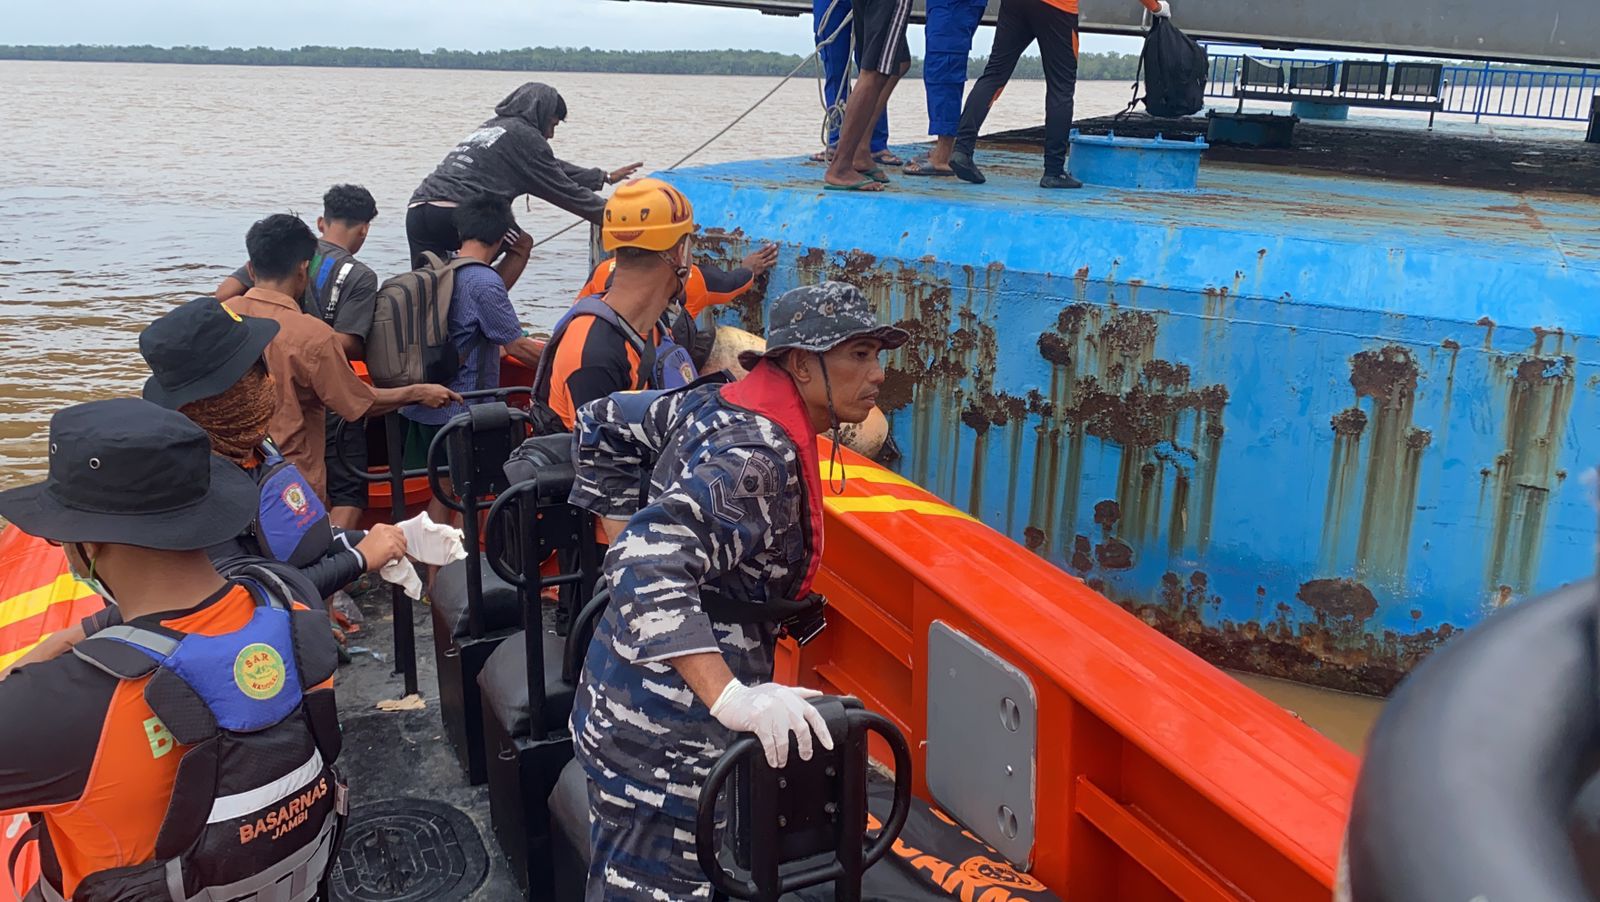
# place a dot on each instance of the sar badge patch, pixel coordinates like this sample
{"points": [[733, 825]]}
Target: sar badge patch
{"points": [[258, 671], [294, 497]]}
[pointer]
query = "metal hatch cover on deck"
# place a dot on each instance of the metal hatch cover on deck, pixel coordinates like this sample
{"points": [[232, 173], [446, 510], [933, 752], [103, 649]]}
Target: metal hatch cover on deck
{"points": [[1309, 424]]}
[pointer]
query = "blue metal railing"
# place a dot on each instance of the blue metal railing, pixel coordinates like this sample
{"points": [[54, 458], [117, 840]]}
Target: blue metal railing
{"points": [[1475, 90]]}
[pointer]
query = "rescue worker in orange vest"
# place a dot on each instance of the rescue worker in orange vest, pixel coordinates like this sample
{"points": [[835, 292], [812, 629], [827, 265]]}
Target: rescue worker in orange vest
{"points": [[1054, 24], [186, 752], [707, 286], [616, 340]]}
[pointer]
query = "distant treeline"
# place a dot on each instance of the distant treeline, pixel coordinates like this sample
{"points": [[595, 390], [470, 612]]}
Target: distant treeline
{"points": [[528, 59]]}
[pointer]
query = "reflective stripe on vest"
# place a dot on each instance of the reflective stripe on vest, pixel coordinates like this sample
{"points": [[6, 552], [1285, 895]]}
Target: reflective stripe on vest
{"points": [[231, 807]]}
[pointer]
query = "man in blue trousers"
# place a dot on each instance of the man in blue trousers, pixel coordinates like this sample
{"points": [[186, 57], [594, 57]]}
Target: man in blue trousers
{"points": [[951, 24], [825, 17]]}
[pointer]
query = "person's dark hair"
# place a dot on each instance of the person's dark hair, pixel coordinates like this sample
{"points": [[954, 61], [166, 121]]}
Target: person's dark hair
{"points": [[350, 204], [485, 218], [630, 256], [278, 244], [561, 108]]}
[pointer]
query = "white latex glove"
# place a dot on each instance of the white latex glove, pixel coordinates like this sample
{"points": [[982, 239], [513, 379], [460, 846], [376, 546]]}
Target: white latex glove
{"points": [[772, 711], [430, 542], [402, 574], [1165, 11]]}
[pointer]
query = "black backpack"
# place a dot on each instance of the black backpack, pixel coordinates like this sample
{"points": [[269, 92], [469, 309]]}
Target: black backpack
{"points": [[1175, 69]]}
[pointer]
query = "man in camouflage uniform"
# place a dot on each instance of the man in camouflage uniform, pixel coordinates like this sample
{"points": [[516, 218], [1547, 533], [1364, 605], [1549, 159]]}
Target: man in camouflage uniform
{"points": [[703, 574]]}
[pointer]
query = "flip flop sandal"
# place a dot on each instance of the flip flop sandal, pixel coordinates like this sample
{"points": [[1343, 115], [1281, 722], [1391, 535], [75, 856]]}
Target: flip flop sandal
{"points": [[876, 174], [888, 158], [924, 168], [861, 186], [822, 156]]}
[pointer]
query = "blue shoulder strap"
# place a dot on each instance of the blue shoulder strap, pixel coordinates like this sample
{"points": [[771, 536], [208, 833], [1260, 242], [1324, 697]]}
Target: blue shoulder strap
{"points": [[269, 452]]}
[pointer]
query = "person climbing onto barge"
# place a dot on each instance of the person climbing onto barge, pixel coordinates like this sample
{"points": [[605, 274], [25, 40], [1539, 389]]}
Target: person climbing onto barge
{"points": [[507, 156], [705, 573], [154, 748], [1054, 24]]}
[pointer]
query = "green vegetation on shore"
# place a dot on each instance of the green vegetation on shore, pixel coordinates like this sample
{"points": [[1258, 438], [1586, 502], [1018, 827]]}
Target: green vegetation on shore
{"points": [[528, 59]]}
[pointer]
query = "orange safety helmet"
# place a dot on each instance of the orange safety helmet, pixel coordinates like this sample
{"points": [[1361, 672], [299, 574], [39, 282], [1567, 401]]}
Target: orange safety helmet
{"points": [[648, 214]]}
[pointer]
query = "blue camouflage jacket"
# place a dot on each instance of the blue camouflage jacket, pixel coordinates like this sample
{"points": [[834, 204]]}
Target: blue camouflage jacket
{"points": [[730, 515]]}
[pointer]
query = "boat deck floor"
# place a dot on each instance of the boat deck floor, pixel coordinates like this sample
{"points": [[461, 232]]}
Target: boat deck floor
{"points": [[1511, 156], [404, 754]]}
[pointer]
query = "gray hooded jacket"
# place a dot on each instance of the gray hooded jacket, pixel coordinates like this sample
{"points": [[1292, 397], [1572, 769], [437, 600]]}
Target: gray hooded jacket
{"points": [[509, 156]]}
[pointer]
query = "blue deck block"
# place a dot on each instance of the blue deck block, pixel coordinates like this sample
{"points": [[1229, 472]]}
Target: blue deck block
{"points": [[1308, 424], [1142, 164]]}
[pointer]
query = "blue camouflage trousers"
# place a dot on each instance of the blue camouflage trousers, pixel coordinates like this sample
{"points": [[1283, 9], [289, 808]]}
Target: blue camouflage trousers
{"points": [[639, 852]]}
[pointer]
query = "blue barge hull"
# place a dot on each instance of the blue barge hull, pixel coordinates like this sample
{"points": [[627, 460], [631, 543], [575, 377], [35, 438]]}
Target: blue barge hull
{"points": [[1308, 424]]}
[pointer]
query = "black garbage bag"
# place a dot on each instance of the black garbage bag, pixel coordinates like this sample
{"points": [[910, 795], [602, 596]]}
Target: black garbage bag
{"points": [[1175, 71]]}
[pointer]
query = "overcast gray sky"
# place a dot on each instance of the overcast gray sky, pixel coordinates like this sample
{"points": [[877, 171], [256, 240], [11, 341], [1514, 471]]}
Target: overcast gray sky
{"points": [[457, 24]]}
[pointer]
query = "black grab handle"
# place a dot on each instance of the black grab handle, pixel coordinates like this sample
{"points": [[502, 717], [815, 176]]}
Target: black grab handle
{"points": [[849, 725], [467, 488], [344, 468]]}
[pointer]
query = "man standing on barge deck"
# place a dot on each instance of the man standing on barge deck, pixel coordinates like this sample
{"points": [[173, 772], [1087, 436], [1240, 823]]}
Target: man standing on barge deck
{"points": [[1054, 24], [705, 575], [880, 32]]}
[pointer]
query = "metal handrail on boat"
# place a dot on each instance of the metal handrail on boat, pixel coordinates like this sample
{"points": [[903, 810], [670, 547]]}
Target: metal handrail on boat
{"points": [[405, 634]]}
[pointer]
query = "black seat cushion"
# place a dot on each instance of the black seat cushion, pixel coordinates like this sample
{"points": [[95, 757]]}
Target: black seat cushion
{"points": [[504, 681], [569, 809], [500, 610]]}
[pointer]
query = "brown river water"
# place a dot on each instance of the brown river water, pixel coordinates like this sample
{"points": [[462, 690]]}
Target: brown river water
{"points": [[128, 188]]}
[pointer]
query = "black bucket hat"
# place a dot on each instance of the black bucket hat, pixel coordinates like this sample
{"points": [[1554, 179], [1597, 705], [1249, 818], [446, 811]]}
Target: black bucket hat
{"points": [[820, 318], [199, 350], [128, 472]]}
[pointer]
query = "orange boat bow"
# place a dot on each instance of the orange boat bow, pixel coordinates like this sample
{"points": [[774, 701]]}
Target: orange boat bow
{"points": [[37, 597]]}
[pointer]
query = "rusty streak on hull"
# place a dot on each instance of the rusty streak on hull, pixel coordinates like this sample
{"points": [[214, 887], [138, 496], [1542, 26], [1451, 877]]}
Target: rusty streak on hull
{"points": [[1270, 410]]}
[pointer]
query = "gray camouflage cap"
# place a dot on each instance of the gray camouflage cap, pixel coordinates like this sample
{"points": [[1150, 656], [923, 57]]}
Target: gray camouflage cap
{"points": [[820, 318]]}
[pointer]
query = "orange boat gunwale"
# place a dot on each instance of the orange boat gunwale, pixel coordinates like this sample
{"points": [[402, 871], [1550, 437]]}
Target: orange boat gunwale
{"points": [[1157, 775]]}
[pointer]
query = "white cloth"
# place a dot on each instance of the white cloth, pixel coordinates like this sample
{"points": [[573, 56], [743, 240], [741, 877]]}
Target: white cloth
{"points": [[432, 543], [428, 542], [401, 573], [1165, 12]]}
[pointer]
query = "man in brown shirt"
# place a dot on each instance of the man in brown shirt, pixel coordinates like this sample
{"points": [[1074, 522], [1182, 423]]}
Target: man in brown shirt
{"points": [[306, 358]]}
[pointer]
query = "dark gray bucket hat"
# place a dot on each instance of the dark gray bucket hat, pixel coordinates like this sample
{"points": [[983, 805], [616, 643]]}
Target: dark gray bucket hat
{"points": [[820, 318], [129, 472]]}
